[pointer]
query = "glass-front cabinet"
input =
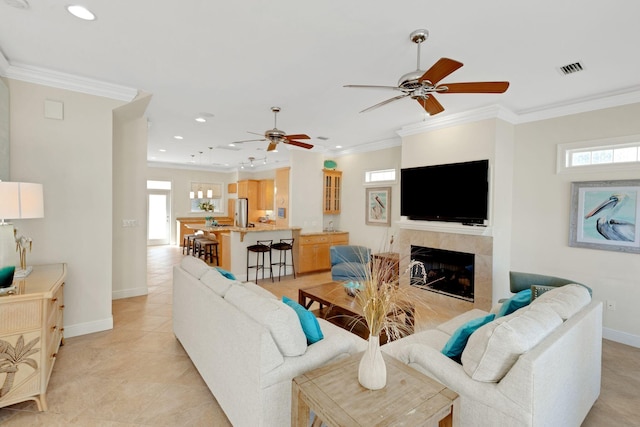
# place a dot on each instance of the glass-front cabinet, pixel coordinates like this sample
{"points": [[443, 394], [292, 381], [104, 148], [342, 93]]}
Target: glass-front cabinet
{"points": [[332, 189]]}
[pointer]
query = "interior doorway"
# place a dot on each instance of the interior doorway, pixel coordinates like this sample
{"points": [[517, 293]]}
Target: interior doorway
{"points": [[158, 213]]}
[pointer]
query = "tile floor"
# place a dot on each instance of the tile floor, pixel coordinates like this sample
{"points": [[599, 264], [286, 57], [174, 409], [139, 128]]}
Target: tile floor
{"points": [[139, 375]]}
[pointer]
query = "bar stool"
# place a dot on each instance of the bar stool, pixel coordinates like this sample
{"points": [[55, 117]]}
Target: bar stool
{"points": [[187, 242], [207, 248], [260, 248], [282, 247]]}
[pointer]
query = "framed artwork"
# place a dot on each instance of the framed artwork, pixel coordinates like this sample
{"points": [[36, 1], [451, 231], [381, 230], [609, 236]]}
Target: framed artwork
{"points": [[378, 208], [604, 215]]}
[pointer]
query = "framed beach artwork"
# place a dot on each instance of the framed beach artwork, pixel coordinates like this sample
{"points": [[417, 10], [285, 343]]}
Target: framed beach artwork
{"points": [[604, 215], [378, 206]]}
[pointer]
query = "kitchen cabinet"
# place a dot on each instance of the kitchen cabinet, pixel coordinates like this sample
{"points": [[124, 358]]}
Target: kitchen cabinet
{"points": [[314, 250], [265, 194], [332, 184], [32, 320]]}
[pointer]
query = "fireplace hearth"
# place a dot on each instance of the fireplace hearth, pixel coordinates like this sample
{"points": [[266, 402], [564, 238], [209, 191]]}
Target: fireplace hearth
{"points": [[441, 271]]}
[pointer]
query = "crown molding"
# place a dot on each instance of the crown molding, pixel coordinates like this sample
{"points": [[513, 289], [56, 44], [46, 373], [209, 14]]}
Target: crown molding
{"points": [[66, 81], [369, 146], [455, 119], [599, 102]]}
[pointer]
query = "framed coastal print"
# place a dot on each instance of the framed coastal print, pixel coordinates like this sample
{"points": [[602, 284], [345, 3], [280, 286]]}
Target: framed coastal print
{"points": [[378, 206], [604, 215]]}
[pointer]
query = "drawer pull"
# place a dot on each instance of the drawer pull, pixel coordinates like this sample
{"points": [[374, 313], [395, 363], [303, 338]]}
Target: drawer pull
{"points": [[53, 355], [54, 299], [53, 328], [62, 307]]}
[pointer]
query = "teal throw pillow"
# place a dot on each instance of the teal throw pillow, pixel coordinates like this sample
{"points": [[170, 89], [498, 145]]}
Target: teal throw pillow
{"points": [[308, 321], [519, 300], [458, 341], [225, 273]]}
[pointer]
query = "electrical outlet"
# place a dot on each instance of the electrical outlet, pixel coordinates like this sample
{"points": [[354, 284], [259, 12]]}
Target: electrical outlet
{"points": [[611, 305]]}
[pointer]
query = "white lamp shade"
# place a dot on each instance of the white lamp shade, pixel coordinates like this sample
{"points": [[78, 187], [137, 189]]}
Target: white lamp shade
{"points": [[200, 194], [209, 194], [21, 200], [192, 195]]}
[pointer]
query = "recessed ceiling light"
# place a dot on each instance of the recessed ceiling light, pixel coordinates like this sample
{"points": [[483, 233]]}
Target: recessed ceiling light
{"points": [[162, 150], [338, 146], [178, 137], [81, 12], [201, 120], [231, 144]]}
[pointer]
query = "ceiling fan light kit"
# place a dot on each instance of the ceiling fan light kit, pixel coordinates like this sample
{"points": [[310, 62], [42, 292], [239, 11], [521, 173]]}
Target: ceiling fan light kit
{"points": [[421, 85]]}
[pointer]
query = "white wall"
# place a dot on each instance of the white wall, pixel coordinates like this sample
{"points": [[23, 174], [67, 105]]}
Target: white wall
{"points": [[352, 217], [305, 190], [541, 210], [129, 202], [72, 158]]}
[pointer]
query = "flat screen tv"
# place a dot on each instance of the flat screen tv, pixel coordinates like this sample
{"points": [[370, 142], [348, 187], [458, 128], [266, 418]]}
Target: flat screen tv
{"points": [[456, 192]]}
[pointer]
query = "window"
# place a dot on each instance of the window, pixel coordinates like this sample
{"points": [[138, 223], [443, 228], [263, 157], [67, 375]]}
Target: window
{"points": [[615, 153], [158, 185], [380, 176], [205, 192]]}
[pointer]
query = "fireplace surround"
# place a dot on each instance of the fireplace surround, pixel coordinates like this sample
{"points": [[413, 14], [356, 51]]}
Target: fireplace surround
{"points": [[480, 246]]}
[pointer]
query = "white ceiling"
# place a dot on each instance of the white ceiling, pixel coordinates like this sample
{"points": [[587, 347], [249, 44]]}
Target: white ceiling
{"points": [[237, 59]]}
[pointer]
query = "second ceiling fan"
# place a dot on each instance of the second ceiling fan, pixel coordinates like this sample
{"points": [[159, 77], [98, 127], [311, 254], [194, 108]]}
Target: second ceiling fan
{"points": [[275, 136], [422, 85]]}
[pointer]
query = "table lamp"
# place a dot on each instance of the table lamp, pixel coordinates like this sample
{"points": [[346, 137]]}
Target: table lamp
{"points": [[18, 200]]}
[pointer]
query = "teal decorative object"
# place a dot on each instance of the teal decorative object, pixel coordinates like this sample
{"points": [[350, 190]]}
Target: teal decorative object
{"points": [[6, 276], [330, 164]]}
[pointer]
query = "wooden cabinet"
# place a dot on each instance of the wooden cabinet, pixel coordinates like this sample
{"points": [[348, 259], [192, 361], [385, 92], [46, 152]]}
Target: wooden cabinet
{"points": [[32, 320], [314, 250], [332, 191], [265, 194]]}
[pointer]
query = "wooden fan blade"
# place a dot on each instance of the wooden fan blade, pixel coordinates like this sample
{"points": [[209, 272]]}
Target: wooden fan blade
{"points": [[440, 70], [380, 104], [272, 146], [476, 87], [298, 136], [374, 87], [431, 105], [298, 143]]}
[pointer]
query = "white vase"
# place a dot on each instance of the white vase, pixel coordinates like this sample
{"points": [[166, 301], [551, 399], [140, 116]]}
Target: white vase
{"points": [[372, 372]]}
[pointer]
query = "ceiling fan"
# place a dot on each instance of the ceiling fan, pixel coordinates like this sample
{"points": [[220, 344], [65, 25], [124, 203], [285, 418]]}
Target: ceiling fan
{"points": [[275, 136], [422, 85]]}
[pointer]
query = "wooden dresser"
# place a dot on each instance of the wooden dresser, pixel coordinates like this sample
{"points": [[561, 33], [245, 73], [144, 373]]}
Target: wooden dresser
{"points": [[31, 331]]}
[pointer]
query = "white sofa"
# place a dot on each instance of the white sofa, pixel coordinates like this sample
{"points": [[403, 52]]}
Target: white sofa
{"points": [[246, 344], [539, 366]]}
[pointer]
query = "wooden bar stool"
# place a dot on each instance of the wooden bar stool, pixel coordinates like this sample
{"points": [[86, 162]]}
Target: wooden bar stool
{"points": [[187, 242], [207, 248], [284, 246], [262, 247]]}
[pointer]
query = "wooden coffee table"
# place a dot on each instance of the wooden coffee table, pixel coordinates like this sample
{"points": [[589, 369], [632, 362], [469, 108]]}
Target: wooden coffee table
{"points": [[337, 307], [334, 394]]}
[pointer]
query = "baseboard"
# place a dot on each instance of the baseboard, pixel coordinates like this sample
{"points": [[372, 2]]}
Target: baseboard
{"points": [[128, 293], [88, 327], [621, 337]]}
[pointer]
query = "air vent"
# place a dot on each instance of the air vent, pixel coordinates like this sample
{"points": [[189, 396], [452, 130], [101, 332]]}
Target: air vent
{"points": [[323, 138], [571, 68]]}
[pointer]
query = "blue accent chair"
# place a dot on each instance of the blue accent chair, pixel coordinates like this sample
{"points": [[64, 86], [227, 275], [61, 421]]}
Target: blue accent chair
{"points": [[349, 262]]}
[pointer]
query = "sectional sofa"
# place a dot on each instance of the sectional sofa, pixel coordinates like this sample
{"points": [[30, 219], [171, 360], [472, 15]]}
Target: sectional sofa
{"points": [[246, 344], [538, 366]]}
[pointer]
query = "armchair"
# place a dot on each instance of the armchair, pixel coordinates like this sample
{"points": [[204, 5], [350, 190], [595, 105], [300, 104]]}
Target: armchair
{"points": [[349, 262]]}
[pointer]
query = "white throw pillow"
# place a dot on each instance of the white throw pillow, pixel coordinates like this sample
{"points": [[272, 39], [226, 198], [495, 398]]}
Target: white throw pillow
{"points": [[194, 266], [217, 282], [280, 319], [493, 349], [565, 300]]}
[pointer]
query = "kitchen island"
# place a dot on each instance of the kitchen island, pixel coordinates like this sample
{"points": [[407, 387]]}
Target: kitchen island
{"points": [[233, 242]]}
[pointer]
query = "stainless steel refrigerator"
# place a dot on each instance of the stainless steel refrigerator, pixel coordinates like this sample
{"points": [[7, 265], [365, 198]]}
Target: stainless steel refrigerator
{"points": [[242, 212]]}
